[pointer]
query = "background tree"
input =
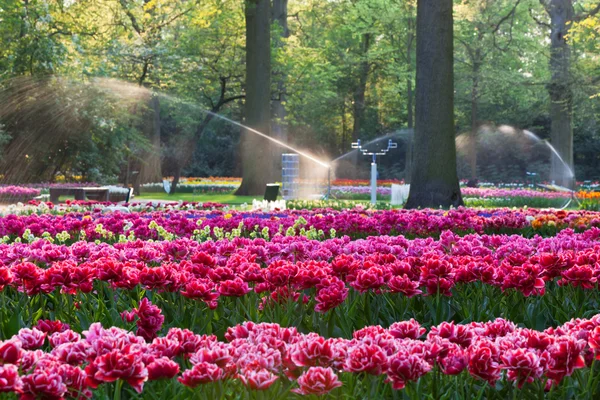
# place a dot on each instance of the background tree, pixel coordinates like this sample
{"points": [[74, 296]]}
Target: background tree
{"points": [[434, 181], [255, 150], [481, 24], [562, 15]]}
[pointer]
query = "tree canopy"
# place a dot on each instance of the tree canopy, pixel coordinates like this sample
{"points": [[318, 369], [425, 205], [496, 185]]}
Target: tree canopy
{"points": [[138, 76]]}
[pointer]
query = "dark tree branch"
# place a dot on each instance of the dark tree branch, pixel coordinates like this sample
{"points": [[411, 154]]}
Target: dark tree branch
{"points": [[506, 17], [170, 20], [511, 16], [57, 30], [207, 97], [134, 23], [467, 47], [539, 21], [588, 14], [144, 72], [230, 99]]}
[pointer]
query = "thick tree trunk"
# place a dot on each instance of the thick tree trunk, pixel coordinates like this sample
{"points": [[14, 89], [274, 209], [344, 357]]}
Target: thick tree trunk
{"points": [[561, 93], [434, 180], [257, 162]]}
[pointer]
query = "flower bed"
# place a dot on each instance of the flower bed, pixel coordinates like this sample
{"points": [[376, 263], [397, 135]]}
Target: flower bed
{"points": [[52, 361], [318, 286], [492, 192], [589, 200], [15, 194], [480, 197], [430, 280], [359, 192], [181, 221]]}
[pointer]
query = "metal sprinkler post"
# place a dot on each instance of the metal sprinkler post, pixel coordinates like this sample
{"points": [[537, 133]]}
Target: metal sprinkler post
{"points": [[357, 145]]}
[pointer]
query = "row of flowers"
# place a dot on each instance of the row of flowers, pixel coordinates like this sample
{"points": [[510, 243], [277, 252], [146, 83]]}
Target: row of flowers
{"points": [[467, 192], [14, 193], [340, 191], [48, 185], [356, 223], [504, 193], [52, 361], [365, 182], [205, 271], [486, 248]]}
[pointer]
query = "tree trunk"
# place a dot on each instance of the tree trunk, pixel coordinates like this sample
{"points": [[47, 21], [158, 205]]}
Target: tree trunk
{"points": [[186, 152], [561, 93], [176, 179], [434, 180], [150, 170], [361, 88], [257, 163], [279, 15], [472, 149], [127, 171], [358, 98], [345, 144]]}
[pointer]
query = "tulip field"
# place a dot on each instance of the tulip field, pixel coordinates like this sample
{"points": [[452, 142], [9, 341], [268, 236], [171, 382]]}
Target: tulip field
{"points": [[199, 301]]}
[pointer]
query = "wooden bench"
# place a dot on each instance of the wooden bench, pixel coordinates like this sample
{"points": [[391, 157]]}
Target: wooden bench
{"points": [[82, 193]]}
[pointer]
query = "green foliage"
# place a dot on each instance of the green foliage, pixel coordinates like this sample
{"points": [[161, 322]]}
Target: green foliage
{"points": [[194, 54]]}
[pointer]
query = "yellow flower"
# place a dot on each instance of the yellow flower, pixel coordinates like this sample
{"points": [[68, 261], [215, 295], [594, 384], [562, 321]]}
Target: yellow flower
{"points": [[87, 217], [228, 216]]}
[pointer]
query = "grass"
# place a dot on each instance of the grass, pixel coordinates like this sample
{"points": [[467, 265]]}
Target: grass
{"points": [[228, 198]]}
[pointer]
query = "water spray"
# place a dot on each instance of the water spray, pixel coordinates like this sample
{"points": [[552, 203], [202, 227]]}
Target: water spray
{"points": [[357, 145]]}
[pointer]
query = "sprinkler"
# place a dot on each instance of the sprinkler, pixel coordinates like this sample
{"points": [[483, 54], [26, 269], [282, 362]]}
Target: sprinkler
{"points": [[357, 145]]}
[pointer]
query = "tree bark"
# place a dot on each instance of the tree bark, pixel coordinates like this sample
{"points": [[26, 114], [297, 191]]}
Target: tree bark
{"points": [[257, 163], [561, 14], [434, 180]]}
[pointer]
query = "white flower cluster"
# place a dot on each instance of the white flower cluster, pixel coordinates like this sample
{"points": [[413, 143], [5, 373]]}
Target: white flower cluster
{"points": [[265, 205]]}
